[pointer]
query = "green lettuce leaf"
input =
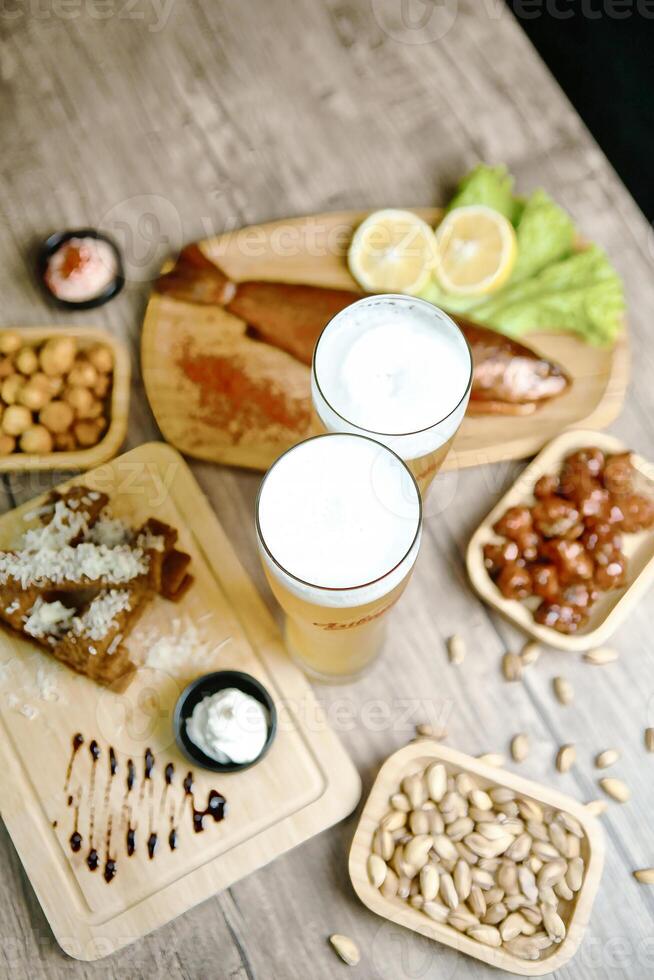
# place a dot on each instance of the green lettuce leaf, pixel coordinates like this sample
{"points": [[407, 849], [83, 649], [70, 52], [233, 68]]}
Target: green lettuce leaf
{"points": [[433, 293], [582, 294], [545, 234], [550, 287], [491, 186]]}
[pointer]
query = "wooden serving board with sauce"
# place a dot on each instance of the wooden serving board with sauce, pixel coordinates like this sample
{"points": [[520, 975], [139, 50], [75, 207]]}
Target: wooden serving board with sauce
{"points": [[189, 353], [117, 831]]}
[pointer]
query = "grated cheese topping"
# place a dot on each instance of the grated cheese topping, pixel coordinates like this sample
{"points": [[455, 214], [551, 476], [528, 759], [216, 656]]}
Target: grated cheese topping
{"points": [[85, 563], [182, 650], [48, 619], [46, 684], [115, 643], [150, 542], [65, 525], [100, 618], [110, 531]]}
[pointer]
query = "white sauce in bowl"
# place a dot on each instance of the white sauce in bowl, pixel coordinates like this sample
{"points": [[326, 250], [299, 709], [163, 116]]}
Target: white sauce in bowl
{"points": [[229, 726]]}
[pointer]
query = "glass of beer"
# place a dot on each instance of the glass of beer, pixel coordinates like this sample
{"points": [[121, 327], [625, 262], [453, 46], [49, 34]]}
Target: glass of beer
{"points": [[399, 370], [338, 522]]}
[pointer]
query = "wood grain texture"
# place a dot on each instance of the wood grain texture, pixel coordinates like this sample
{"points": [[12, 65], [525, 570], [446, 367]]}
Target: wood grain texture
{"points": [[237, 113], [180, 339]]}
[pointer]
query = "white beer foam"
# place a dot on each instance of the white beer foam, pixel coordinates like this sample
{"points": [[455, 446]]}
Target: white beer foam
{"points": [[396, 367], [339, 512]]}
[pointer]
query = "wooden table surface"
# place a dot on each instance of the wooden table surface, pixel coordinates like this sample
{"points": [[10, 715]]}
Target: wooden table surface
{"points": [[168, 121]]}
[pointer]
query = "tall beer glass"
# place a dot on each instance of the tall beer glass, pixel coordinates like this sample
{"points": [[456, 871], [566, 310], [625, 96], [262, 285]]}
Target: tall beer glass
{"points": [[338, 526], [399, 370]]}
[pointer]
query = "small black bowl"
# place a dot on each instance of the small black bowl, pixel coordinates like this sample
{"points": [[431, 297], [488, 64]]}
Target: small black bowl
{"points": [[205, 686], [59, 238]]}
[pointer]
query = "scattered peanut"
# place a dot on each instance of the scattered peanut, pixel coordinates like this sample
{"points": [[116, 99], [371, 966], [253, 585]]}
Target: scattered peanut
{"points": [[616, 789], [565, 758], [601, 656], [512, 666], [346, 948], [597, 807], [530, 653], [519, 747], [456, 649], [563, 690], [607, 758]]}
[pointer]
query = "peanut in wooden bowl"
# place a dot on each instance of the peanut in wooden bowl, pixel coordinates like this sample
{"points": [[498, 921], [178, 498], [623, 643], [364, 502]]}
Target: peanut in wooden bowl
{"points": [[117, 405], [415, 758]]}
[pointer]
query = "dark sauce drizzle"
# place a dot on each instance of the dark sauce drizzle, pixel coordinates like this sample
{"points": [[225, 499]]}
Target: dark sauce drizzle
{"points": [[110, 869], [148, 766], [76, 837], [216, 807], [93, 859], [169, 772], [131, 774], [78, 741], [130, 837]]}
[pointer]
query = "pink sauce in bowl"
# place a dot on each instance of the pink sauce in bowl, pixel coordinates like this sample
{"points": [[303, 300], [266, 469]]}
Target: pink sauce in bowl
{"points": [[81, 269]]}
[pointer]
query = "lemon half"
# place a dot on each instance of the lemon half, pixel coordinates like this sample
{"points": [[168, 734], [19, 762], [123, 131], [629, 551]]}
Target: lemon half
{"points": [[476, 250], [393, 251]]}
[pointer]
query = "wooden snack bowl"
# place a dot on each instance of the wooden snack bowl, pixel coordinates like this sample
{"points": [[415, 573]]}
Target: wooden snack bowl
{"points": [[416, 757], [612, 608], [118, 403]]}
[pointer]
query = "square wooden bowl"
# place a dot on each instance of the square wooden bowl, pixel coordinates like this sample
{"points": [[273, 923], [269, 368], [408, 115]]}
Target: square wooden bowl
{"points": [[107, 448], [612, 607], [416, 757]]}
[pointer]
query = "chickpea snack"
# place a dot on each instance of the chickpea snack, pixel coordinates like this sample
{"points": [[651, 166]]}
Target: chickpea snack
{"points": [[570, 548], [64, 396]]}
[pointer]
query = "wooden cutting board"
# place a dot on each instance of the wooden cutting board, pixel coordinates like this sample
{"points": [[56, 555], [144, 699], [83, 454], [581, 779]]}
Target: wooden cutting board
{"points": [[183, 345], [304, 784]]}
